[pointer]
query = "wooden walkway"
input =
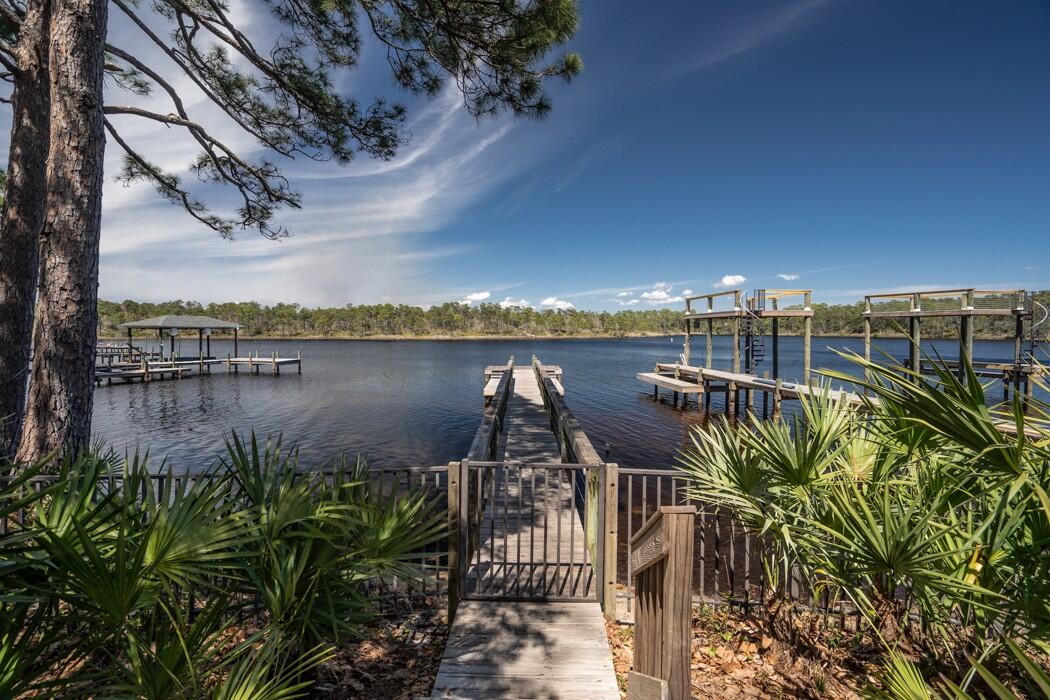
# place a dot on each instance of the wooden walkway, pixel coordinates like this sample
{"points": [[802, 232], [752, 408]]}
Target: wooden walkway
{"points": [[530, 626], [527, 435], [550, 650]]}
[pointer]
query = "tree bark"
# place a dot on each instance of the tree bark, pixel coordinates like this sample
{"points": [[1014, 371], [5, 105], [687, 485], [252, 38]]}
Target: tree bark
{"points": [[58, 410], [23, 216]]}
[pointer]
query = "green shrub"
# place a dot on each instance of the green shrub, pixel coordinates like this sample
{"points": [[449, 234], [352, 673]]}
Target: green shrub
{"points": [[925, 509], [234, 583]]}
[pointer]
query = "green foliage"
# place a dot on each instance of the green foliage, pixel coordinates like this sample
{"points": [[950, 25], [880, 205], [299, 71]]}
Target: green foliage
{"points": [[920, 510], [452, 319], [122, 583]]}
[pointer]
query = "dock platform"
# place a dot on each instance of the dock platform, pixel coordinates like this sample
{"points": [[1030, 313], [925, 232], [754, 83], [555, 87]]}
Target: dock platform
{"points": [[148, 370]]}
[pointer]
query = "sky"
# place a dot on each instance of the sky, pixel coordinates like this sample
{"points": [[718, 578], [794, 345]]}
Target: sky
{"points": [[843, 146]]}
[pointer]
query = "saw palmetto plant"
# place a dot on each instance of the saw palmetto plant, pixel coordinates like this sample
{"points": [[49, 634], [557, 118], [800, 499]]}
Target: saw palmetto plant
{"points": [[117, 581], [924, 509]]}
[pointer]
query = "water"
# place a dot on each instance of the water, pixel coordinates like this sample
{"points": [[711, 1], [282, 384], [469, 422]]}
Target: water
{"points": [[419, 402]]}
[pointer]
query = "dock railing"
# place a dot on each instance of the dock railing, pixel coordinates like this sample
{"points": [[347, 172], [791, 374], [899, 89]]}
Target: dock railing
{"points": [[597, 505], [486, 439], [661, 557]]}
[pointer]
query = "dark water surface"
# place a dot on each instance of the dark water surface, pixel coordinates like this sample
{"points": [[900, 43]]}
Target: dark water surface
{"points": [[419, 402]]}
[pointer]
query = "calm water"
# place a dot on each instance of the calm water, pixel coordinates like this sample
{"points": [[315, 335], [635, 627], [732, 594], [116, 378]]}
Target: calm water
{"points": [[419, 402]]}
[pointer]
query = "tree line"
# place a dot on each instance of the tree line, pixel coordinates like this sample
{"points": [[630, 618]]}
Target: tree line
{"points": [[457, 319], [216, 76]]}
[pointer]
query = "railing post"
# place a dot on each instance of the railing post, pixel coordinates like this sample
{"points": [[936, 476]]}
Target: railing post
{"points": [[610, 536], [455, 552], [662, 558], [678, 601]]}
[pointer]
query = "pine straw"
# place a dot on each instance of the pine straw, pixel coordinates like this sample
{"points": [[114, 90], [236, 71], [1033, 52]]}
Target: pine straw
{"points": [[733, 658], [397, 658]]}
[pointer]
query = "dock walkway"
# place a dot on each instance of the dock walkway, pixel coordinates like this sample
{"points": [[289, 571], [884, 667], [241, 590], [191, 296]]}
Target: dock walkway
{"points": [[529, 625]]}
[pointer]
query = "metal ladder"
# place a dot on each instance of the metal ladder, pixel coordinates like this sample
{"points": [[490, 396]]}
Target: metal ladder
{"points": [[754, 335]]}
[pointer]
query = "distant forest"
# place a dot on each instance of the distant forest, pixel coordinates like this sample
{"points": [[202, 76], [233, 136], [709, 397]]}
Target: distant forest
{"points": [[455, 319]]}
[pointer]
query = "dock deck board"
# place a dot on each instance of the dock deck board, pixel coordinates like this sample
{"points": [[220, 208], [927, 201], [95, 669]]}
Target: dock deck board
{"points": [[499, 649]]}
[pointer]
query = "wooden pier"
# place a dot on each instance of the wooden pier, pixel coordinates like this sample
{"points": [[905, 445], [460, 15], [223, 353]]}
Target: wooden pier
{"points": [[529, 555], [153, 370], [742, 384], [1027, 316]]}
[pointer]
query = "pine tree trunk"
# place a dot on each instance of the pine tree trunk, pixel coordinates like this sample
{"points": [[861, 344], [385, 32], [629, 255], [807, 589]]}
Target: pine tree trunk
{"points": [[58, 410], [23, 217]]}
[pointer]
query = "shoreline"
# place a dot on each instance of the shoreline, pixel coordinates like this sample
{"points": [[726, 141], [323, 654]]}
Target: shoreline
{"points": [[505, 337]]}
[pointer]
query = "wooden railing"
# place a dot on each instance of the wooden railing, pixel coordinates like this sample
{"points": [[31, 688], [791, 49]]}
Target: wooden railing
{"points": [[575, 446], [600, 488], [486, 439], [662, 561]]}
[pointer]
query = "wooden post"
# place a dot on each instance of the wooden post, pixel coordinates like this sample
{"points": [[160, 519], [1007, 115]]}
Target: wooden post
{"points": [[966, 334], [688, 331], [662, 565], [765, 397], [710, 343], [455, 584], [611, 535], [915, 359], [700, 387], [235, 352], [736, 336], [807, 324], [867, 329], [299, 363]]}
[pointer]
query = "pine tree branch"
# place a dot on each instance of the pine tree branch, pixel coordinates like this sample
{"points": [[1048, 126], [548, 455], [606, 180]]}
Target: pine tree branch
{"points": [[192, 75], [255, 184], [167, 185]]}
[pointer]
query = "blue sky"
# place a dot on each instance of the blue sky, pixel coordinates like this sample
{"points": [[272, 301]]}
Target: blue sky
{"points": [[859, 145]]}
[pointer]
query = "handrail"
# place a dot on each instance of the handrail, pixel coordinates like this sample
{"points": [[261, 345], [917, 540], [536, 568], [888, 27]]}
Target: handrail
{"points": [[663, 618], [573, 441], [483, 447]]}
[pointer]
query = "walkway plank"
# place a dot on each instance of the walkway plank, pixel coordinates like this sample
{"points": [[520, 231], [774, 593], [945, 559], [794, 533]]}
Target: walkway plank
{"points": [[499, 649]]}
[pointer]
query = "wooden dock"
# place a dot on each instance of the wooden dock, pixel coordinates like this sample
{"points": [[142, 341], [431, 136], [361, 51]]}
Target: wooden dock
{"points": [[703, 381], [147, 370], [529, 564]]}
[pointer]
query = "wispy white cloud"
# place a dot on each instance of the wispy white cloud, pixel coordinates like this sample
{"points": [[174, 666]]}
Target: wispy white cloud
{"points": [[625, 294], [788, 277], [511, 303], [730, 281], [628, 302], [752, 33], [556, 303], [362, 234]]}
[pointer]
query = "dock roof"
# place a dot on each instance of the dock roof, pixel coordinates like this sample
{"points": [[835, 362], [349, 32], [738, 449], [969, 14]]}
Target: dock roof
{"points": [[182, 322]]}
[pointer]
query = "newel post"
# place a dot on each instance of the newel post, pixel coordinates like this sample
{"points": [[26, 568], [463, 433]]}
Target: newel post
{"points": [[662, 562], [610, 534], [457, 532]]}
